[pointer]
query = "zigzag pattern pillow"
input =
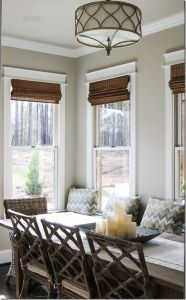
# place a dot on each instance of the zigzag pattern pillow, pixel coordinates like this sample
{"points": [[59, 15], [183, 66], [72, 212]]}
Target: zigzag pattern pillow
{"points": [[164, 215], [82, 201], [132, 206]]}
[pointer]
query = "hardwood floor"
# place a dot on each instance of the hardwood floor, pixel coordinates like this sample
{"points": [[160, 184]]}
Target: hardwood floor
{"points": [[8, 291]]}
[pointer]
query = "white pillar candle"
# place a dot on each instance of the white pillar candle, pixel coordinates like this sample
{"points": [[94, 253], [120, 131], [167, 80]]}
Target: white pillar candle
{"points": [[101, 226], [121, 226], [128, 218], [131, 230], [111, 225], [119, 208]]}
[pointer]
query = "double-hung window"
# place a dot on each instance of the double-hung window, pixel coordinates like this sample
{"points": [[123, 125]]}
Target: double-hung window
{"points": [[33, 144], [113, 152], [177, 85], [112, 137]]}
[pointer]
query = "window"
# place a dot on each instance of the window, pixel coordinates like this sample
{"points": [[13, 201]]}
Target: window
{"points": [[34, 135], [179, 188], [34, 156], [175, 97], [111, 154], [113, 151], [113, 123]]}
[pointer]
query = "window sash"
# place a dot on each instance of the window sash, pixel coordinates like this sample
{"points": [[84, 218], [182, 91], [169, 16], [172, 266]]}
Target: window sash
{"points": [[107, 148], [177, 172], [115, 149], [9, 148], [178, 119], [97, 128]]}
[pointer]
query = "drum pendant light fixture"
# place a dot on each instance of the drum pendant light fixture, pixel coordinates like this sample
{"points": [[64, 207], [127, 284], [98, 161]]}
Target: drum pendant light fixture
{"points": [[108, 24]]}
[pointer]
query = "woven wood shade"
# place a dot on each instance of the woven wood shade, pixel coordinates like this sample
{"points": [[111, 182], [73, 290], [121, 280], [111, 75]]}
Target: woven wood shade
{"points": [[33, 91], [177, 81], [109, 91]]}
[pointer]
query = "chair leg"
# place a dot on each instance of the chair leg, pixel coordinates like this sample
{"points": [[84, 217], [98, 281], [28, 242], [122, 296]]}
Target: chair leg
{"points": [[51, 292], [59, 291], [11, 271], [7, 280], [25, 286]]}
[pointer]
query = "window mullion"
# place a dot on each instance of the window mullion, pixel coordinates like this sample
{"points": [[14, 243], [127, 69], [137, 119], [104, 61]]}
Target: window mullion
{"points": [[116, 148]]}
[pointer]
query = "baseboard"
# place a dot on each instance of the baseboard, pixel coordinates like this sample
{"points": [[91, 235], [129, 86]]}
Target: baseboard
{"points": [[5, 256]]}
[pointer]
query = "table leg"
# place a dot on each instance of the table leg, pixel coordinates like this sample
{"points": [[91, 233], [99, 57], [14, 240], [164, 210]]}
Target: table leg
{"points": [[19, 273]]}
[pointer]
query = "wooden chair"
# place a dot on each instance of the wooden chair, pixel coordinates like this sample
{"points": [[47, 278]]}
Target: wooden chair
{"points": [[73, 275], [113, 278], [34, 258], [27, 206]]}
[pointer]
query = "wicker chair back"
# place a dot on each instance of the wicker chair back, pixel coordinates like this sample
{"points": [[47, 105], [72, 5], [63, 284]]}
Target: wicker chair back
{"points": [[33, 253], [26, 206], [68, 258], [113, 278]]}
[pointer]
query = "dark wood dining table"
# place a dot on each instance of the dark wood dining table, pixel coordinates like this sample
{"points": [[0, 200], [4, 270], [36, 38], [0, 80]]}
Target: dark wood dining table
{"points": [[164, 255]]}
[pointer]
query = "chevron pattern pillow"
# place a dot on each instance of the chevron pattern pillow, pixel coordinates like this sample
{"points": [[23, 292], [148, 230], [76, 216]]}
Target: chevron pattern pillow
{"points": [[83, 201], [132, 206], [164, 215]]}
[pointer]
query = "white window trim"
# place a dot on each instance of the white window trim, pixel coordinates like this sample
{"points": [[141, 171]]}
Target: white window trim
{"points": [[112, 72], [170, 59], [17, 73]]}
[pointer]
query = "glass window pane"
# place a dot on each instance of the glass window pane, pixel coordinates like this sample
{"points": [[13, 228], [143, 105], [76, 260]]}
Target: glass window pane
{"points": [[112, 168], [33, 173], [179, 119], [114, 124], [182, 118], [31, 123], [181, 181]]}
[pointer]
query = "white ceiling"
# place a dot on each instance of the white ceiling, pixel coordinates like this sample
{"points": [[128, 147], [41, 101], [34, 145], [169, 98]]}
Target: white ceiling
{"points": [[56, 24]]}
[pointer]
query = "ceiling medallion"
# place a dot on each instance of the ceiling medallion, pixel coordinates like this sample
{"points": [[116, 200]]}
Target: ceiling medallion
{"points": [[108, 24]]}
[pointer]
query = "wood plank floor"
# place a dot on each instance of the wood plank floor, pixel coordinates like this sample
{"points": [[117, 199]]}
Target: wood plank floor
{"points": [[8, 291]]}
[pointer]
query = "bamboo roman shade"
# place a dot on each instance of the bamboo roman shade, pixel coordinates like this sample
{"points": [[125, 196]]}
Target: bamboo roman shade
{"points": [[33, 91], [109, 91], [177, 81]]}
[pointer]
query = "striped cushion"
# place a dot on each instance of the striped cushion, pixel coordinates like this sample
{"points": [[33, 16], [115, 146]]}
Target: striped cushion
{"points": [[82, 201], [164, 215]]}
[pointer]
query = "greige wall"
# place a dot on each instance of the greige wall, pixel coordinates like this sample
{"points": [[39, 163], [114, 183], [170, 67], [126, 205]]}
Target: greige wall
{"points": [[50, 63], [150, 106]]}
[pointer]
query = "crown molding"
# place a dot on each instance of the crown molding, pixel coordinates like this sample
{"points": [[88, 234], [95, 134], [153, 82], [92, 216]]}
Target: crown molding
{"points": [[162, 24], [38, 47]]}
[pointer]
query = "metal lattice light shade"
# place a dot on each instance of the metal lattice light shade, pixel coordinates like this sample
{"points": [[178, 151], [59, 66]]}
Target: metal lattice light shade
{"points": [[108, 24]]}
